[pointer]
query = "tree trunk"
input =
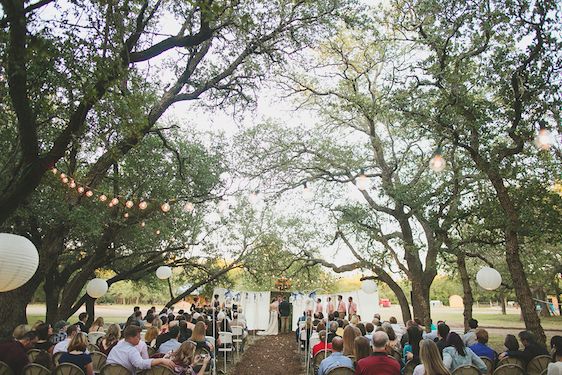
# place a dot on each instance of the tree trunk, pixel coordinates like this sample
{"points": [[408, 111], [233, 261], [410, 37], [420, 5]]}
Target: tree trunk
{"points": [[467, 298], [13, 305], [420, 299], [503, 301], [90, 302], [399, 293]]}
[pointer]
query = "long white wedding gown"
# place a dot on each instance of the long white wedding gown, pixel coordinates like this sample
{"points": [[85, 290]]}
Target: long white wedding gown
{"points": [[273, 328]]}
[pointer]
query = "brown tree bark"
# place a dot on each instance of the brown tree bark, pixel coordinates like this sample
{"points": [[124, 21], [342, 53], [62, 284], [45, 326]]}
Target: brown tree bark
{"points": [[399, 293], [467, 298]]}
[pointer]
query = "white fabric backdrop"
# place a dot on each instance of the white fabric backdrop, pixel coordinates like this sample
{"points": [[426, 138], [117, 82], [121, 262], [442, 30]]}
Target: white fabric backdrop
{"points": [[255, 305]]}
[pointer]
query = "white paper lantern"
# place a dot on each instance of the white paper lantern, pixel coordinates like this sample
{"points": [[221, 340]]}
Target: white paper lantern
{"points": [[163, 272], [96, 288], [369, 286], [18, 261], [489, 278]]}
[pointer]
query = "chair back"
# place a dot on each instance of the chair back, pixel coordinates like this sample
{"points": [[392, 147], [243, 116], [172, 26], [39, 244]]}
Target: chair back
{"points": [[93, 348], [56, 358], [511, 361], [489, 364], [320, 356], [35, 369], [159, 370], [237, 331], [466, 370], [93, 337], [225, 337], [68, 369], [509, 369], [5, 369], [538, 364], [341, 371], [98, 360], [111, 369], [210, 339], [202, 351], [409, 368], [32, 354]]}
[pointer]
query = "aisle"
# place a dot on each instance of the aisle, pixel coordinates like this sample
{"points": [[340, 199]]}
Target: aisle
{"points": [[271, 355]]}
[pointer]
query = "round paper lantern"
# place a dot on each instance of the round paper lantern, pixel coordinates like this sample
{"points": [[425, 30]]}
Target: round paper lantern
{"points": [[369, 286], [18, 261], [489, 278], [96, 288], [163, 272]]}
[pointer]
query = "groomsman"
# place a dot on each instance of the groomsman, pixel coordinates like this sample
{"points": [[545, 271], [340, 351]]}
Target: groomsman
{"points": [[331, 307], [318, 306], [352, 307], [341, 307]]}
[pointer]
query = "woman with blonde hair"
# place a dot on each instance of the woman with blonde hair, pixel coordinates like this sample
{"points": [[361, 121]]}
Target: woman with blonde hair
{"points": [[349, 335], [185, 359], [77, 355], [150, 336], [431, 362], [198, 337], [110, 339], [97, 326], [362, 348], [354, 320]]}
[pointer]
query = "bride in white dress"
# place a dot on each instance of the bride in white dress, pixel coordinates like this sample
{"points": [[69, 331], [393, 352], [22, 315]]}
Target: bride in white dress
{"points": [[273, 328]]}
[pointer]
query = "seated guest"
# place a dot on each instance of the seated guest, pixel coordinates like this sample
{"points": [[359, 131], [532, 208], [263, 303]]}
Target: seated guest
{"points": [[531, 348], [393, 342], [185, 333], [13, 351], [362, 348], [198, 337], [82, 319], [223, 323], [44, 359], [189, 321], [127, 355], [442, 333], [315, 337], [164, 327], [172, 344], [20, 330], [511, 343], [333, 329], [98, 325], [77, 355], [341, 326], [411, 350], [404, 338], [321, 345], [349, 341], [369, 328], [362, 328], [481, 349], [59, 330], [456, 354], [379, 363], [150, 336], [110, 339], [184, 359], [430, 358], [62, 346], [470, 337], [44, 331], [337, 359], [157, 322], [556, 367], [396, 327]]}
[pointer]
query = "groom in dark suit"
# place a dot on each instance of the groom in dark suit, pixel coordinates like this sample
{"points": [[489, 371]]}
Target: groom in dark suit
{"points": [[284, 312]]}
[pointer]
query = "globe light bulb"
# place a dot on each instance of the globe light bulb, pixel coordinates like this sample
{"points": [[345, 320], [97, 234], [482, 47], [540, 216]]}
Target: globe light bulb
{"points": [[143, 205], [362, 181], [142, 224], [65, 180], [110, 204], [103, 198], [89, 193], [62, 175], [158, 231], [544, 140], [54, 170], [129, 204], [188, 207], [307, 194], [80, 189], [126, 215], [437, 162], [72, 184], [115, 201], [165, 207]]}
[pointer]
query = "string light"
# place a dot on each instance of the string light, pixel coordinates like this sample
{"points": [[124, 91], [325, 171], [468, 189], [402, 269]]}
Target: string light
{"points": [[103, 198], [543, 140], [142, 224], [54, 170], [143, 205], [158, 231], [62, 175], [89, 193], [306, 192], [437, 162], [72, 184], [65, 180], [110, 204], [165, 207], [129, 204], [362, 181], [115, 201], [80, 189], [126, 215]]}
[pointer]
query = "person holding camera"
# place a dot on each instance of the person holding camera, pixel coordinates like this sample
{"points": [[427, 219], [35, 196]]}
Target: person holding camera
{"points": [[185, 359]]}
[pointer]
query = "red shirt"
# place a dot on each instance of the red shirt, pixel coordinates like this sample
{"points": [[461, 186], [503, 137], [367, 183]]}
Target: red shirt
{"points": [[377, 364], [320, 346]]}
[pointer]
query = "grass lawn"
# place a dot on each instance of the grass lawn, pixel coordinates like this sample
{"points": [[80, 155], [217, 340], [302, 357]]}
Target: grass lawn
{"points": [[497, 320]]}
